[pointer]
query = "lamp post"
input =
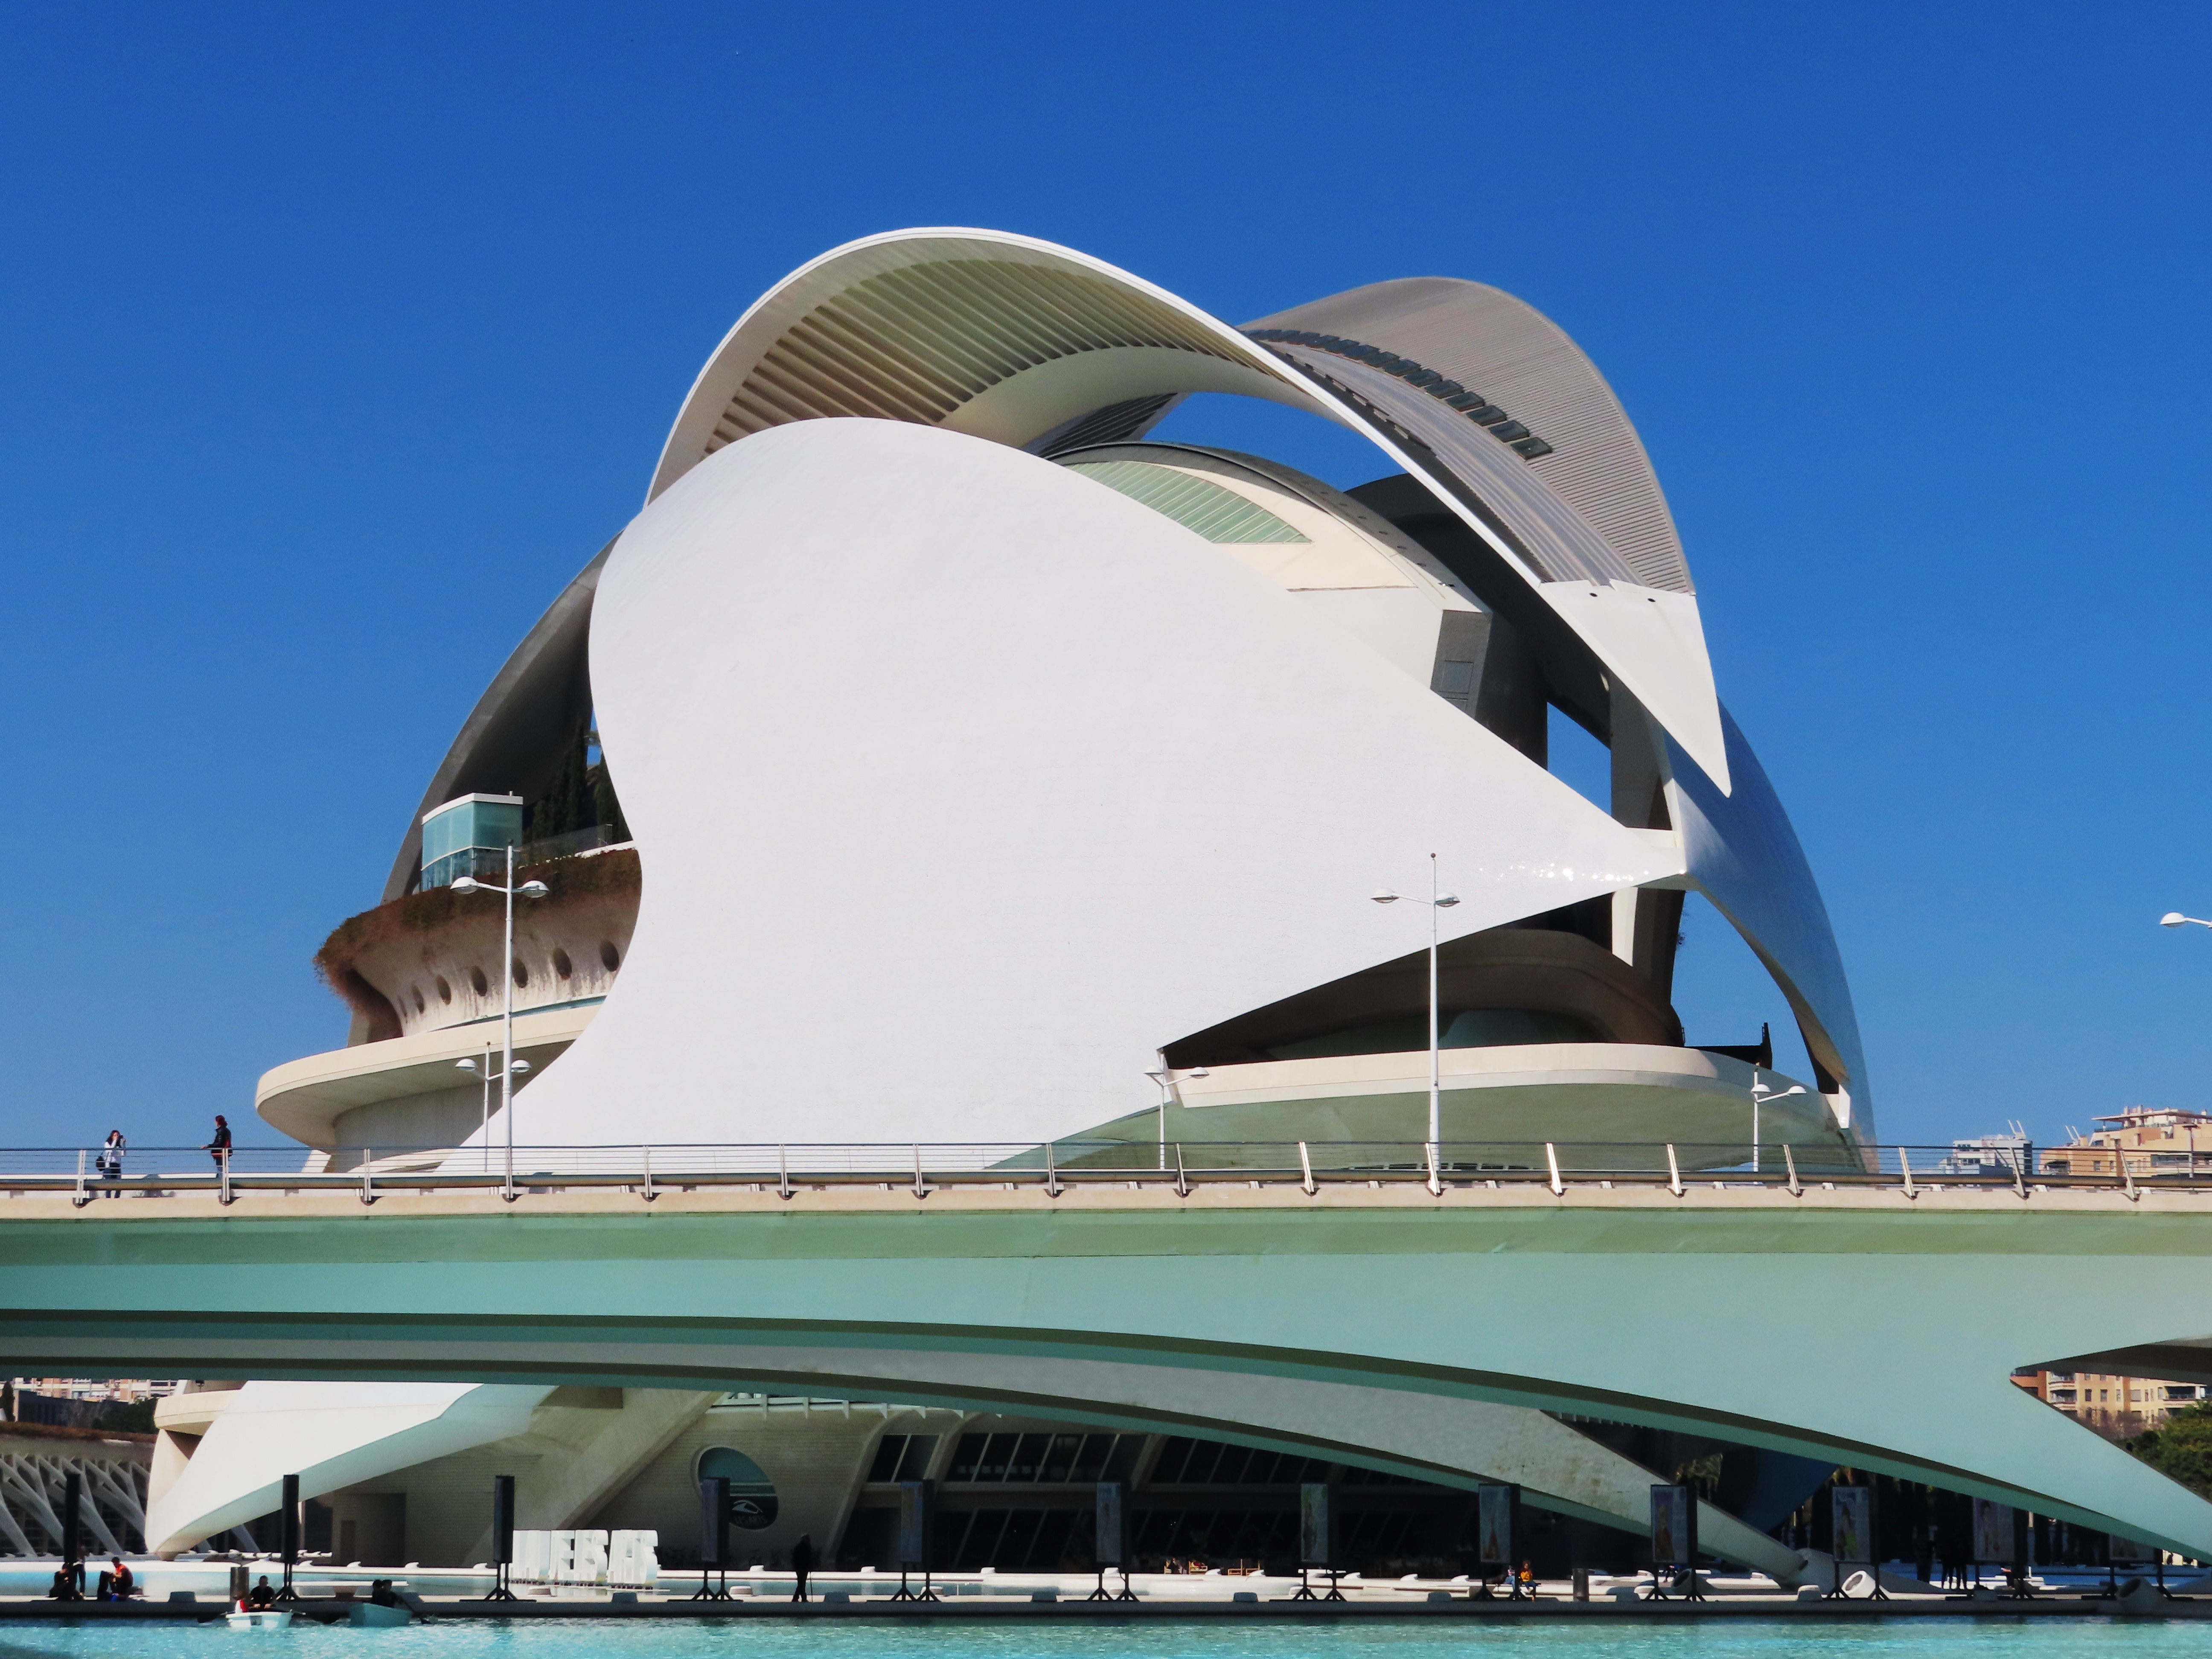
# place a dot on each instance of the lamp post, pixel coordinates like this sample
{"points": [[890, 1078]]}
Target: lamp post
{"points": [[1436, 901], [489, 1076], [506, 1064], [1760, 1094]]}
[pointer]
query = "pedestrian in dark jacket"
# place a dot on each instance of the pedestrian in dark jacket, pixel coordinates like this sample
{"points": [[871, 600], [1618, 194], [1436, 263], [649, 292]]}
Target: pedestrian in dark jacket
{"points": [[219, 1148], [802, 1564]]}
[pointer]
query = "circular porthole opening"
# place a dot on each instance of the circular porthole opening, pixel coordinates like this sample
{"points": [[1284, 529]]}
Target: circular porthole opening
{"points": [[609, 954], [419, 1004], [752, 1495], [521, 975], [445, 990], [562, 966], [477, 983]]}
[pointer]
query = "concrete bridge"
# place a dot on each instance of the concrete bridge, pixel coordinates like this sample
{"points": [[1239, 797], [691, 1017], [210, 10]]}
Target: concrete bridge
{"points": [[1416, 1332]]}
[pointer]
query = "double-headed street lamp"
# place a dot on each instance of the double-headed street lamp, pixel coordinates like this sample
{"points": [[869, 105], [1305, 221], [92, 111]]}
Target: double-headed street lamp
{"points": [[2175, 919], [491, 1077], [508, 1067], [1436, 901]]}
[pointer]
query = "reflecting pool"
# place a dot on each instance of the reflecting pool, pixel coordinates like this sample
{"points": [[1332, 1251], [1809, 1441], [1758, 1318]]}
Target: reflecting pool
{"points": [[1782, 1639]]}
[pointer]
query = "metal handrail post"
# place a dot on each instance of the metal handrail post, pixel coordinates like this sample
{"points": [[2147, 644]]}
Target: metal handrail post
{"points": [[1305, 1164], [82, 1197], [1436, 1176], [367, 1160], [920, 1191], [1674, 1171], [1796, 1187], [1183, 1179], [507, 1029], [782, 1169], [1551, 1158], [1905, 1163], [649, 1193], [222, 1193], [1051, 1172]]}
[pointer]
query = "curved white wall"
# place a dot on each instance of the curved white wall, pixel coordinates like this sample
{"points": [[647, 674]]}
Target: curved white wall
{"points": [[964, 783]]}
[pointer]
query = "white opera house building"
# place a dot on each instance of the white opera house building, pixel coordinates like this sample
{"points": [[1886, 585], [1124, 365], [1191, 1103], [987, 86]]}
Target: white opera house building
{"points": [[992, 773]]}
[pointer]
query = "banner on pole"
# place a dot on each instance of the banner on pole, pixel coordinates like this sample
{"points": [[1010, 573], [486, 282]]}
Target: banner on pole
{"points": [[1674, 1527], [1497, 1524], [1993, 1538], [1109, 1524], [1851, 1509], [917, 1507], [1316, 1525]]}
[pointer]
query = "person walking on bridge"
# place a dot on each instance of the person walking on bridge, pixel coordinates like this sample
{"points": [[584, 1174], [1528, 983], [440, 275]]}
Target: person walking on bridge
{"points": [[802, 1564], [219, 1148]]}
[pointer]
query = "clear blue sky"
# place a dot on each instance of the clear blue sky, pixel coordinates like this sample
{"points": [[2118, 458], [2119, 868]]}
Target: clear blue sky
{"points": [[335, 339]]}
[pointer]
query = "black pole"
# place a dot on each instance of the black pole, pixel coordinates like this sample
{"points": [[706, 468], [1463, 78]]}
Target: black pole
{"points": [[916, 1535], [72, 1572], [502, 1538], [288, 1525], [713, 1539]]}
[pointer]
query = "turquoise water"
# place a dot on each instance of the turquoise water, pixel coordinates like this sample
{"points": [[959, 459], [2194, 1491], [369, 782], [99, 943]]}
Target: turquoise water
{"points": [[2083, 1638]]}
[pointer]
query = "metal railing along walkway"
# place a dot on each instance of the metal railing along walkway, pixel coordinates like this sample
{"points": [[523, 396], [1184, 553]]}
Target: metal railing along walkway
{"points": [[925, 1167]]}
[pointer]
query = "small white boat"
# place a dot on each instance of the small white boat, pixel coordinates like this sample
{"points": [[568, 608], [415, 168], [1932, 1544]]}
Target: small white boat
{"points": [[260, 1618], [375, 1614]]}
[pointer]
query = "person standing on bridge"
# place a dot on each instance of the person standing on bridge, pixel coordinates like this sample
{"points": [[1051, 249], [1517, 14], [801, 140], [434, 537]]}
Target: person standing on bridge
{"points": [[802, 1564], [110, 1161], [219, 1148]]}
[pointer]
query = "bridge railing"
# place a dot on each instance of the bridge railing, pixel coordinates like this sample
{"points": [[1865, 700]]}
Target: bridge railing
{"points": [[85, 1174]]}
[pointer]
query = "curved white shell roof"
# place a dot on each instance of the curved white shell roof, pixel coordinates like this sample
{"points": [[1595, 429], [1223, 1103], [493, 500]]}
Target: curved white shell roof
{"points": [[1019, 341]]}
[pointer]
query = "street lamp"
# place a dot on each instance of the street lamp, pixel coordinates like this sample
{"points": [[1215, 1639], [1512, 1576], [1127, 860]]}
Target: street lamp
{"points": [[2175, 919], [1436, 901], [491, 1077], [1760, 1095], [507, 1061]]}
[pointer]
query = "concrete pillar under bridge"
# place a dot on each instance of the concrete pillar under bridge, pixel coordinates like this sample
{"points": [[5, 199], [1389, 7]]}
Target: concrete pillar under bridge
{"points": [[1860, 1325]]}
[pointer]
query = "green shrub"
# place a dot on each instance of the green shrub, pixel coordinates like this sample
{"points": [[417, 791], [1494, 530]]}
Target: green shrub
{"points": [[2180, 1448]]}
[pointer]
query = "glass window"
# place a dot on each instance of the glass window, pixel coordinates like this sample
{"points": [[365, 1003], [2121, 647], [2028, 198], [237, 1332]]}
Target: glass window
{"points": [[968, 1457], [1122, 1464], [1464, 1028], [1059, 1457], [888, 1452], [1174, 1457], [1091, 1462], [1014, 1543], [1029, 1458], [914, 1463], [982, 1544]]}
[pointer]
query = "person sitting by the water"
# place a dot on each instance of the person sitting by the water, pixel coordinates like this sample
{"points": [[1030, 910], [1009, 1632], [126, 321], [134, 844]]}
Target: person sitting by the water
{"points": [[261, 1595], [66, 1579], [380, 1592]]}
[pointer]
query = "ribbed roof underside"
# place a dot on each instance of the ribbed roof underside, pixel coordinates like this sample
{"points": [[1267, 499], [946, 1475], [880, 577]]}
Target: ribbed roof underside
{"points": [[1520, 359], [1222, 516], [915, 343]]}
